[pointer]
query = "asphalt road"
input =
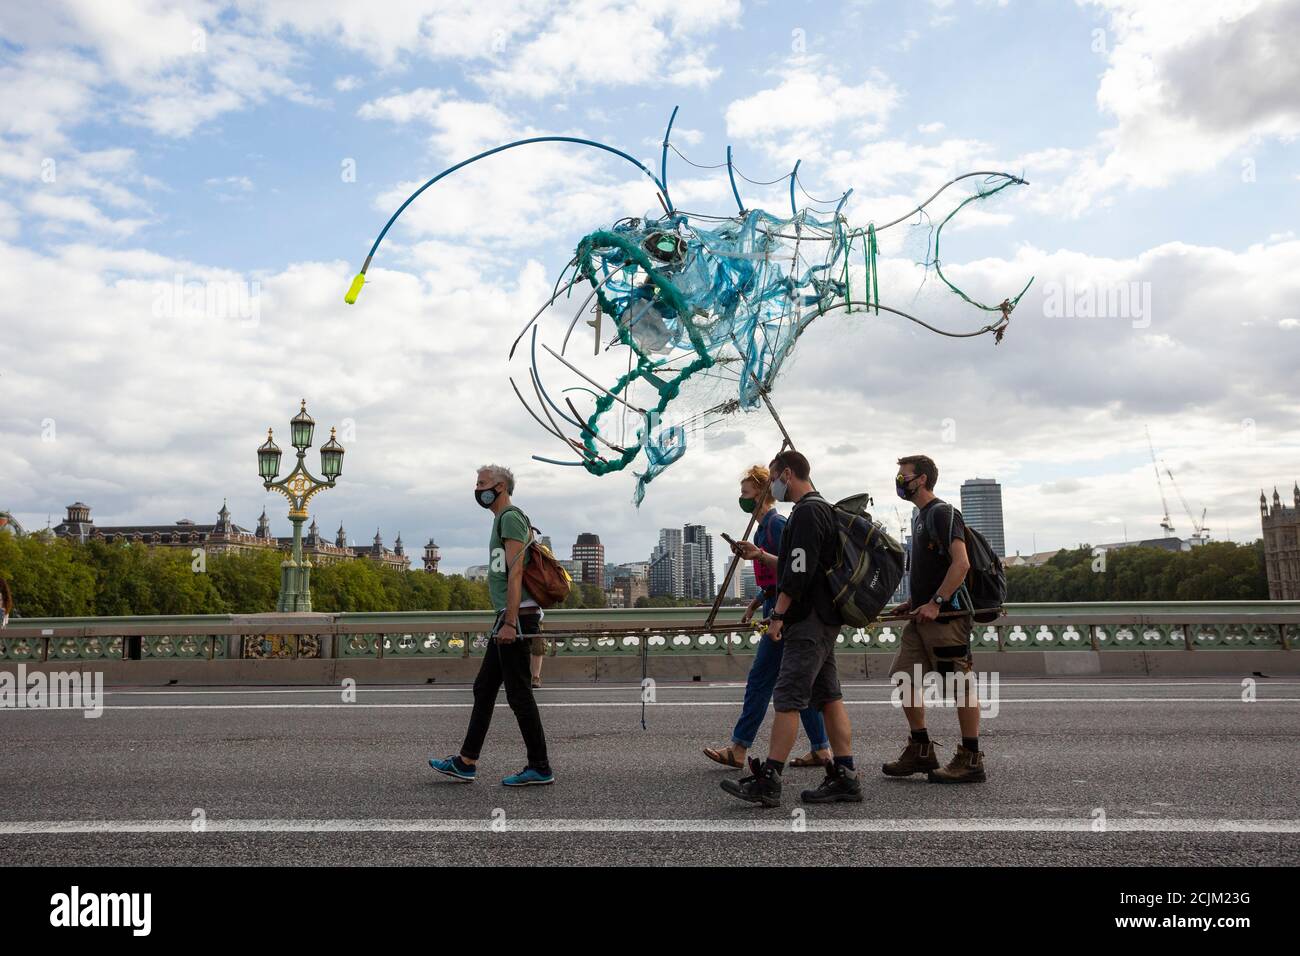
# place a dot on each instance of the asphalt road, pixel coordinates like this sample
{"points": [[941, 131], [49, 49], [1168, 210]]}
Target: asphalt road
{"points": [[1184, 771]]}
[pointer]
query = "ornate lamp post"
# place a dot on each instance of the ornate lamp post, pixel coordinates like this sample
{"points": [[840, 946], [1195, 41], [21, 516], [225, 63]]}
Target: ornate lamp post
{"points": [[298, 486]]}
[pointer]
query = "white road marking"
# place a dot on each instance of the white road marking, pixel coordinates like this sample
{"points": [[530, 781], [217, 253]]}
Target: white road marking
{"points": [[613, 687], [661, 704], [780, 824]]}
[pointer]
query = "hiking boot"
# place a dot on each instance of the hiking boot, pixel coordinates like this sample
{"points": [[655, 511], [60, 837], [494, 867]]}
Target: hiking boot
{"points": [[916, 758], [840, 785], [763, 785], [966, 766]]}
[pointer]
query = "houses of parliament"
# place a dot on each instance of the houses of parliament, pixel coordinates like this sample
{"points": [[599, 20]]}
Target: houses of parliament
{"points": [[224, 536]]}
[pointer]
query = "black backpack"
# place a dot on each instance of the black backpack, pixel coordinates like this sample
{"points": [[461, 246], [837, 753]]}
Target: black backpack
{"points": [[868, 567], [986, 581]]}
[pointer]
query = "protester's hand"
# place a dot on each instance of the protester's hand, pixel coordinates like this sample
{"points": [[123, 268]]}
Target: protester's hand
{"points": [[507, 633], [774, 630], [926, 613], [747, 550], [747, 616]]}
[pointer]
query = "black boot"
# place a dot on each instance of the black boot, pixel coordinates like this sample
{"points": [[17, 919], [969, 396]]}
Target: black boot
{"points": [[763, 785], [840, 785]]}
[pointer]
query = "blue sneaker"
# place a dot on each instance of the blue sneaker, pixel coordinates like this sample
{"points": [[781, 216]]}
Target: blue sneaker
{"points": [[453, 768], [529, 777]]}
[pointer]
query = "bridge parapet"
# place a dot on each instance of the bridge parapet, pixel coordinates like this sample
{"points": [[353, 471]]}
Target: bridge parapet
{"points": [[1172, 626]]}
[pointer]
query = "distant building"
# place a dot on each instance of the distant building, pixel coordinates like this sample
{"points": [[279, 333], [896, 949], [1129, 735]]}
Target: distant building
{"points": [[748, 586], [9, 525], [431, 556], [591, 553], [665, 566], [224, 537], [1282, 545], [904, 590], [629, 588], [697, 563], [981, 506], [1039, 558], [476, 572]]}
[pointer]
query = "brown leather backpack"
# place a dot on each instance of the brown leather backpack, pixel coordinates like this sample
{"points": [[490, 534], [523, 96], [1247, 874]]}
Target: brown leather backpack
{"points": [[544, 577]]}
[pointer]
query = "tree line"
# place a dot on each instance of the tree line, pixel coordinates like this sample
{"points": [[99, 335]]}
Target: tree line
{"points": [[54, 577], [1217, 571]]}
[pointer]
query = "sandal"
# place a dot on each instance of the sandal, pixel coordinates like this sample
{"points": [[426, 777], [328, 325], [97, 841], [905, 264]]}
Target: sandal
{"points": [[537, 682], [809, 760], [726, 756]]}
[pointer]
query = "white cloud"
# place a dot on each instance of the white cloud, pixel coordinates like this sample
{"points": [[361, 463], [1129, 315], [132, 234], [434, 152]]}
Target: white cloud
{"points": [[799, 116], [611, 43], [74, 210], [1189, 85]]}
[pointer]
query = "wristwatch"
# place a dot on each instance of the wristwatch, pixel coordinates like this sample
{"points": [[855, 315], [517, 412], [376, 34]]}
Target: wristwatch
{"points": [[777, 616]]}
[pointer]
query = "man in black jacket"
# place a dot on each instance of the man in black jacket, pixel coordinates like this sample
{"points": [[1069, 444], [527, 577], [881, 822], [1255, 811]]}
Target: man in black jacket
{"points": [[806, 619]]}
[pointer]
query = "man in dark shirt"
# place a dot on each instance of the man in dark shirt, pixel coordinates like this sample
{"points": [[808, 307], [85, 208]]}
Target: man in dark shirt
{"points": [[929, 643], [805, 618]]}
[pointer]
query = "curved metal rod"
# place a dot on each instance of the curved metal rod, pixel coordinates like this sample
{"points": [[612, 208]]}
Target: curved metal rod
{"points": [[894, 222], [909, 215], [536, 315], [794, 175], [663, 163], [576, 316], [843, 199], [573, 443], [580, 374], [530, 411], [497, 149], [552, 461], [576, 421], [806, 319], [586, 428], [731, 174]]}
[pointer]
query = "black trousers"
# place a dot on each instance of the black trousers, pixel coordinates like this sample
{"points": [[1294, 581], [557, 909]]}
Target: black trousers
{"points": [[508, 664]]}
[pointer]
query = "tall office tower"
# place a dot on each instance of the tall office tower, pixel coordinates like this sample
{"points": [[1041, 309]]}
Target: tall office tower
{"points": [[700, 574], [748, 586], [981, 506], [591, 553], [693, 570], [665, 573]]}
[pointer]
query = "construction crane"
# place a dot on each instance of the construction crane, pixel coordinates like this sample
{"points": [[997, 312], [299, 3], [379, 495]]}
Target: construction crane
{"points": [[1165, 523], [1200, 536]]}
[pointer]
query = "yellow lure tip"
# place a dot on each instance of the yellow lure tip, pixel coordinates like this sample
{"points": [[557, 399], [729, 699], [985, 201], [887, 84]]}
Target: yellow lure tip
{"points": [[353, 292]]}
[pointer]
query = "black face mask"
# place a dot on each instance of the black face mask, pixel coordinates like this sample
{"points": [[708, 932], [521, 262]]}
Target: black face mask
{"points": [[485, 498], [901, 487]]}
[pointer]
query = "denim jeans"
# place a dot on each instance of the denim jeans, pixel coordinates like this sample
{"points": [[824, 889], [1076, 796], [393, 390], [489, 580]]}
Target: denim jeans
{"points": [[758, 694]]}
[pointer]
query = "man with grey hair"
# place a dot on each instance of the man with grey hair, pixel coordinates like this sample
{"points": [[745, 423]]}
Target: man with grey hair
{"points": [[506, 658]]}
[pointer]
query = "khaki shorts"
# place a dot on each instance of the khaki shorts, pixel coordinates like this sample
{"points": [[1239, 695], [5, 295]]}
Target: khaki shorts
{"points": [[539, 647], [935, 645]]}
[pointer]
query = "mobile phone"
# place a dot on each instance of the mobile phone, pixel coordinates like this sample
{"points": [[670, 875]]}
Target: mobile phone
{"points": [[730, 540]]}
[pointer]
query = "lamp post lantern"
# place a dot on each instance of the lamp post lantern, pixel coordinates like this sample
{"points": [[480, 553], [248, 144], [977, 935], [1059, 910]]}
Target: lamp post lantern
{"points": [[298, 486]]}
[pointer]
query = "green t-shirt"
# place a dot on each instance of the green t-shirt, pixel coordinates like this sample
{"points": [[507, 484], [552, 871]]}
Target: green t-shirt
{"points": [[512, 524]]}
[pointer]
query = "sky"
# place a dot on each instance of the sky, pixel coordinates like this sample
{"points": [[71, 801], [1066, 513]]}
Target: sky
{"points": [[155, 155]]}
